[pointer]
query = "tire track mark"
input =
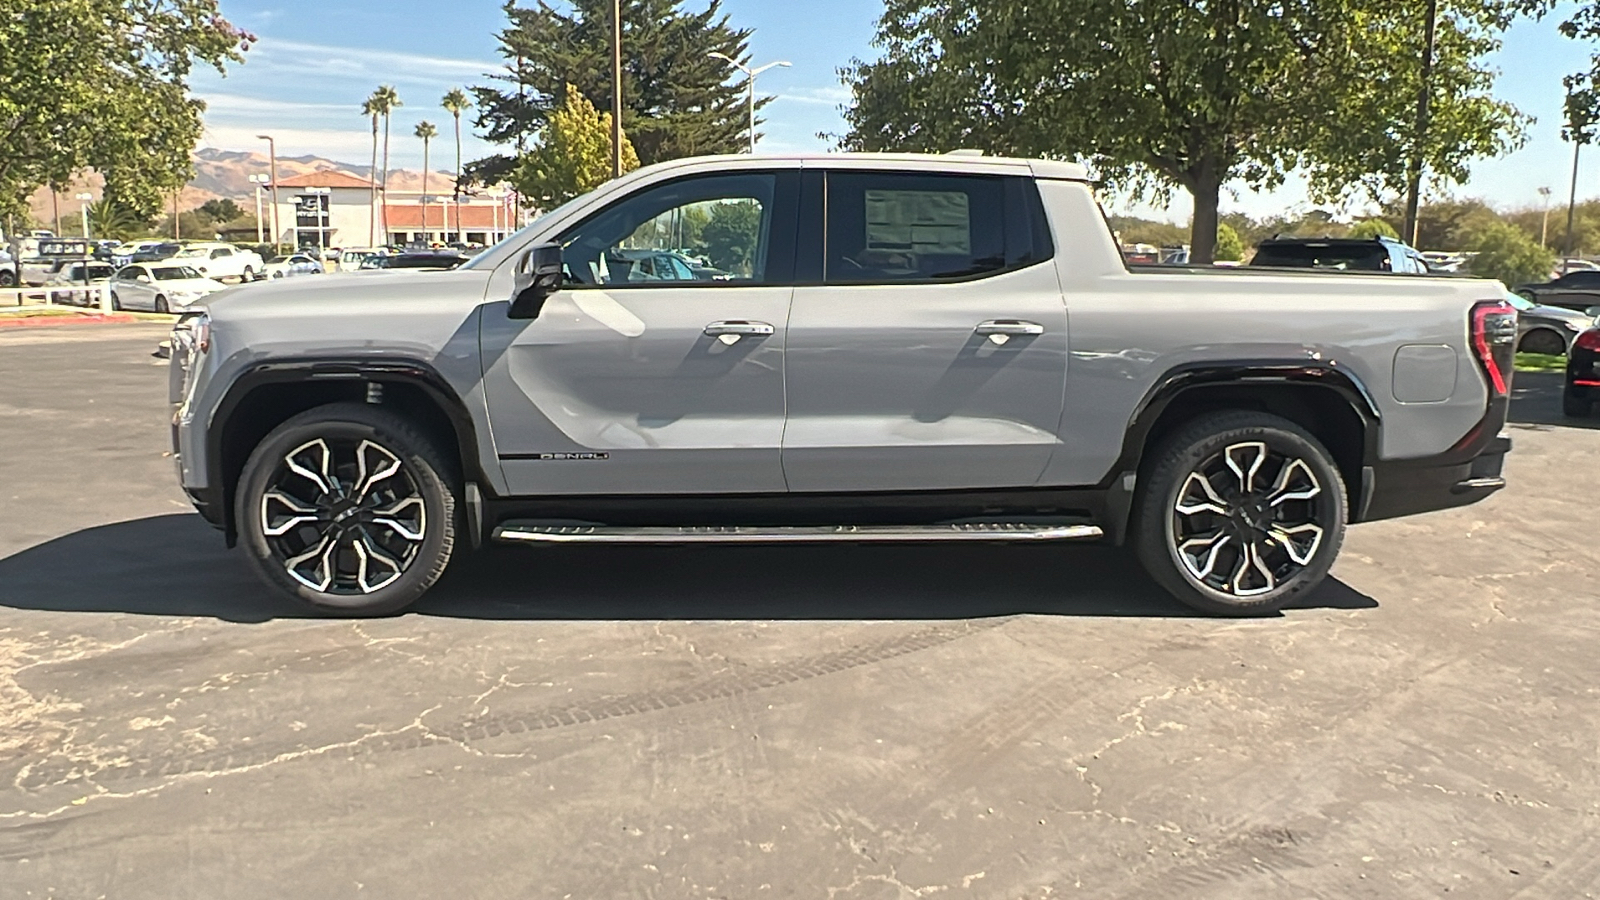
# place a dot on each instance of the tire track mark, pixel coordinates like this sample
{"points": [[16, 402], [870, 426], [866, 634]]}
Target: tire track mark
{"points": [[469, 730]]}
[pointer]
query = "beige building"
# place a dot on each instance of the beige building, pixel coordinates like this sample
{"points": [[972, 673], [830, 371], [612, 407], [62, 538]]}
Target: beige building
{"points": [[334, 209]]}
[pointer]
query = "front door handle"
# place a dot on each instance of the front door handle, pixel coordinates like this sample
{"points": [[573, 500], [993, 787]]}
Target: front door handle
{"points": [[1008, 327], [738, 328]]}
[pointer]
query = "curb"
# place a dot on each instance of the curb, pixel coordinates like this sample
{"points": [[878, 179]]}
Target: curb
{"points": [[30, 321]]}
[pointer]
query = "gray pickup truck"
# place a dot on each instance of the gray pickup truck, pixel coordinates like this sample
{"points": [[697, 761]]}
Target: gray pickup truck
{"points": [[833, 348]]}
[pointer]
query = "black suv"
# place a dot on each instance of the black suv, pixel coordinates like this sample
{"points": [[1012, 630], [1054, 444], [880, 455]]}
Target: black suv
{"points": [[1380, 254]]}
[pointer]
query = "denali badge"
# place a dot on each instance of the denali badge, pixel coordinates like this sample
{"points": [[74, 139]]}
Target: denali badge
{"points": [[571, 456]]}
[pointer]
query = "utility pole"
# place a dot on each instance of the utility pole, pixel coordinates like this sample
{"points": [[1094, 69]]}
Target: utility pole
{"points": [[177, 234], [1544, 226], [272, 166], [83, 211], [750, 79], [257, 180], [1419, 135], [616, 88], [55, 209], [1572, 199]]}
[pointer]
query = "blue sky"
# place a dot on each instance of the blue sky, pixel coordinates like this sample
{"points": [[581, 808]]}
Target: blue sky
{"points": [[315, 62]]}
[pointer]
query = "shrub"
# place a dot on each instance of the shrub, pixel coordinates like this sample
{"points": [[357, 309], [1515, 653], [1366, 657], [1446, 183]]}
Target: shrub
{"points": [[1507, 254]]}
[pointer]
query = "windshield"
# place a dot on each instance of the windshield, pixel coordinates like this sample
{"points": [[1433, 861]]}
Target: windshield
{"points": [[190, 253], [176, 273], [1519, 301]]}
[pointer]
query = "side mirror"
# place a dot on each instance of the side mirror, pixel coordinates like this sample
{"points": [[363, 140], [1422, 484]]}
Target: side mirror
{"points": [[538, 276], [1592, 311]]}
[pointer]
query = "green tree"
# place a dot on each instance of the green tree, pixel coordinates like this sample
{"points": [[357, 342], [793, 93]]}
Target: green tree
{"points": [[730, 235], [221, 210], [1371, 228], [111, 219], [1506, 253], [103, 85], [1229, 247], [573, 155], [373, 108], [1380, 87], [385, 100], [1155, 94], [455, 102], [676, 100]]}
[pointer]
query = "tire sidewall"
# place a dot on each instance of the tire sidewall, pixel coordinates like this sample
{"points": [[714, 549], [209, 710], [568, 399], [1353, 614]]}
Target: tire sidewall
{"points": [[419, 462], [1183, 455]]}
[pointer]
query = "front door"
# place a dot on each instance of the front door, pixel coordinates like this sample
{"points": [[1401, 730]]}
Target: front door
{"points": [[658, 367], [934, 354]]}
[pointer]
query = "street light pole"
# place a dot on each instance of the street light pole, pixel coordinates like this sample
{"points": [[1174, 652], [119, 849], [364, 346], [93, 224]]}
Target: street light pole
{"points": [[83, 210], [1544, 225], [616, 88], [272, 166], [750, 76], [261, 228]]}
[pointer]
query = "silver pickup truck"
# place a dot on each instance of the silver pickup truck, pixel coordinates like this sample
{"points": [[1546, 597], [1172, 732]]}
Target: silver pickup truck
{"points": [[833, 348]]}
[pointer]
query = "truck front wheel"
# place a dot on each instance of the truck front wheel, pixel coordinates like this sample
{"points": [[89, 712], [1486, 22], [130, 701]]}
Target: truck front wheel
{"points": [[349, 508], [1239, 513]]}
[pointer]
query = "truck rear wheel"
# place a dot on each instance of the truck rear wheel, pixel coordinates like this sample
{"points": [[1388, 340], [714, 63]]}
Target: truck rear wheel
{"points": [[348, 508], [1239, 513]]}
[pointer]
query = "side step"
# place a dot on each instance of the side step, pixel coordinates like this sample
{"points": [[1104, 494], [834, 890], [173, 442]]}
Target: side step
{"points": [[535, 532]]}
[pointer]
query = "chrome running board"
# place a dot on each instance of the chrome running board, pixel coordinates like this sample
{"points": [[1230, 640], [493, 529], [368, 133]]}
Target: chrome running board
{"points": [[534, 532]]}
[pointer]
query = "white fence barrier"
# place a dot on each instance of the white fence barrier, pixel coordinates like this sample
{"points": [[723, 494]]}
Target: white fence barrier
{"points": [[93, 298]]}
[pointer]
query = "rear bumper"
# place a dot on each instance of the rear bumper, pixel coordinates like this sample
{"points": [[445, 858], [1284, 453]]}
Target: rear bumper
{"points": [[1462, 475]]}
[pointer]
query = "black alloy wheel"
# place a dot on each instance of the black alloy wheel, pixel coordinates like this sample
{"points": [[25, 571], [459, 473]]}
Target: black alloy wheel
{"points": [[1241, 512], [347, 507]]}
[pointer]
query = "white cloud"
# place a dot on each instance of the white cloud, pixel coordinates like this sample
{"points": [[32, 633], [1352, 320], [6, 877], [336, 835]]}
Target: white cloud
{"points": [[375, 65], [820, 96]]}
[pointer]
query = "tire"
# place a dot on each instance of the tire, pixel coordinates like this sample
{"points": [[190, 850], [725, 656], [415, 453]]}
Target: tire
{"points": [[1292, 518], [1543, 340], [1575, 406], [161, 305], [116, 302], [8, 279], [410, 546]]}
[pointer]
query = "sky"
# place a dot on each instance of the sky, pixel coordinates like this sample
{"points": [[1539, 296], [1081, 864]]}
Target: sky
{"points": [[304, 81]]}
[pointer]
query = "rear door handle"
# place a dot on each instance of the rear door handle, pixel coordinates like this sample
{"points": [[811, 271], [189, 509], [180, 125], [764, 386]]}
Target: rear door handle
{"points": [[738, 328], [1008, 327]]}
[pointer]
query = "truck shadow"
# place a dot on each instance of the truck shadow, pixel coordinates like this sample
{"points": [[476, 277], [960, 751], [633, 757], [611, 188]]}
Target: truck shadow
{"points": [[175, 565]]}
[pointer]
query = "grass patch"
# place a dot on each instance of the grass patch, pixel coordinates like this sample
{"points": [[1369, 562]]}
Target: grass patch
{"points": [[39, 313], [1541, 362]]}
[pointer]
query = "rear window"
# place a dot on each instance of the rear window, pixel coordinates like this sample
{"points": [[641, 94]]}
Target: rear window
{"points": [[1355, 257], [175, 273]]}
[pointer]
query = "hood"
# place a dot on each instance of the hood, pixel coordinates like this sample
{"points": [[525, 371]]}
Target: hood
{"points": [[337, 293]]}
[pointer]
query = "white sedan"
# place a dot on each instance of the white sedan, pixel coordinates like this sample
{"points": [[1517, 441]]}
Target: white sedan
{"points": [[294, 264], [159, 287]]}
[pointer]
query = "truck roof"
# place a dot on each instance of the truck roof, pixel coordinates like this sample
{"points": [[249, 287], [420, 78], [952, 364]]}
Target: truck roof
{"points": [[958, 161]]}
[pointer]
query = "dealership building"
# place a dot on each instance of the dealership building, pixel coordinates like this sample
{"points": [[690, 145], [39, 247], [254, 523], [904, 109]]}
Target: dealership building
{"points": [[336, 209]]}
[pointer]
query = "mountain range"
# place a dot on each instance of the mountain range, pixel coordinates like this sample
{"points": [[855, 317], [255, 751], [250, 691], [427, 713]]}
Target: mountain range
{"points": [[223, 173]]}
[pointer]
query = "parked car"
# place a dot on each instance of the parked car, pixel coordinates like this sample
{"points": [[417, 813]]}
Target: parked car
{"points": [[9, 275], [1379, 254], [1582, 388], [418, 259], [351, 258], [155, 252], [292, 265], [219, 261], [1578, 289], [891, 364], [69, 284], [1546, 329], [160, 287]]}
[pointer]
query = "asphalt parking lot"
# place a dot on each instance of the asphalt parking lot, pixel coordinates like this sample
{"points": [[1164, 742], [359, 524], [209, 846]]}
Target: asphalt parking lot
{"points": [[840, 722]]}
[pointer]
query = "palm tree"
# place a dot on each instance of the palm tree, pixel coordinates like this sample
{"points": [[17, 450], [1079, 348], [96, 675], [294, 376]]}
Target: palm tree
{"points": [[386, 99], [427, 132], [370, 108], [454, 102]]}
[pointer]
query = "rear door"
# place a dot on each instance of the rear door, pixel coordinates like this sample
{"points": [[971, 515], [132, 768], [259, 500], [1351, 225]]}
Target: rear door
{"points": [[930, 351], [133, 288], [1574, 290], [641, 376]]}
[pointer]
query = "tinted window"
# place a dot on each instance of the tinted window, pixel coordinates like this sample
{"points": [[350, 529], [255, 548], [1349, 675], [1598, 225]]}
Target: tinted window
{"points": [[1372, 257], [176, 273], [219, 253], [884, 227], [707, 229], [1581, 279]]}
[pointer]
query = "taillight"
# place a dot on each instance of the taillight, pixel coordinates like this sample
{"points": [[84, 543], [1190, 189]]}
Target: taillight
{"points": [[1494, 340], [1589, 340]]}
